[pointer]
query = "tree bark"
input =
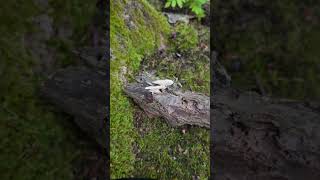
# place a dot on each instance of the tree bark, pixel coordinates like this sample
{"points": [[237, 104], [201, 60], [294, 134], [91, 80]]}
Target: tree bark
{"points": [[177, 108], [82, 93], [256, 137], [259, 138]]}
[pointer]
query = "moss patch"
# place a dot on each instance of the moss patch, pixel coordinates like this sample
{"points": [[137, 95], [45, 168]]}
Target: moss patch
{"points": [[185, 38], [169, 153], [74, 15], [278, 44], [135, 32], [36, 142], [176, 153]]}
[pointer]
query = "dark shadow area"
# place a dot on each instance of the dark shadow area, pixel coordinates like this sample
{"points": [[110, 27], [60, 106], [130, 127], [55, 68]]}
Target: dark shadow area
{"points": [[265, 108], [51, 106]]}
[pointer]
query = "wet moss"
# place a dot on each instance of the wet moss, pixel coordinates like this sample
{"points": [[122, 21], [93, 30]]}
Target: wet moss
{"points": [[133, 35]]}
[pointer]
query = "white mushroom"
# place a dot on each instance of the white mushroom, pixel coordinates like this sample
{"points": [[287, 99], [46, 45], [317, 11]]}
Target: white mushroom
{"points": [[165, 82], [161, 84], [155, 89]]}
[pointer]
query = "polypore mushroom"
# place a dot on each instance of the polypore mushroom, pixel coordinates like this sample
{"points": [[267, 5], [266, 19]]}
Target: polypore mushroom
{"points": [[165, 82], [155, 89]]}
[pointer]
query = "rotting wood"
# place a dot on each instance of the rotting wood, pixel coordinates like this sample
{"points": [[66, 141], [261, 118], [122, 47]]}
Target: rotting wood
{"points": [[82, 93], [177, 108], [258, 137]]}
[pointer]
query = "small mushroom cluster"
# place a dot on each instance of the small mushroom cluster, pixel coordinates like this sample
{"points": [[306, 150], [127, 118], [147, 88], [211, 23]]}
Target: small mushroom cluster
{"points": [[160, 85]]}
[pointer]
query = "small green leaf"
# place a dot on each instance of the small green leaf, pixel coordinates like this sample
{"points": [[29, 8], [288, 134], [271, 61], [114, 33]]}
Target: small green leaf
{"points": [[180, 3], [167, 4], [174, 3]]}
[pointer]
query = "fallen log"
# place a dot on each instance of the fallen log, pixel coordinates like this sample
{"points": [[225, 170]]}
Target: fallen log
{"points": [[259, 138], [82, 93], [177, 108]]}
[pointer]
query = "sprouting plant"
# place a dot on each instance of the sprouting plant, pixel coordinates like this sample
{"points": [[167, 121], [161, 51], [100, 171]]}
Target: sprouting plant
{"points": [[194, 5]]}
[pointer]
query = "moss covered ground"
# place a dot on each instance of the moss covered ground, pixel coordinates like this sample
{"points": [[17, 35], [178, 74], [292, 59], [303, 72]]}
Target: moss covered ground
{"points": [[276, 43], [164, 152], [128, 47], [141, 146], [37, 142]]}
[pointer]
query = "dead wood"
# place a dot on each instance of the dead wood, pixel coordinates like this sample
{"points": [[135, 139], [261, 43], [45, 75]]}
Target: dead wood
{"points": [[82, 93], [254, 137], [177, 108], [260, 138]]}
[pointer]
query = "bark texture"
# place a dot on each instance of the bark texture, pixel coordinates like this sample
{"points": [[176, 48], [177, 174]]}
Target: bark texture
{"points": [[82, 93], [177, 108], [259, 138]]}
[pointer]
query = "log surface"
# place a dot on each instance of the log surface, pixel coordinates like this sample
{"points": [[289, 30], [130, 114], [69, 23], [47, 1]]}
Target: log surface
{"points": [[82, 93], [177, 108], [259, 138]]}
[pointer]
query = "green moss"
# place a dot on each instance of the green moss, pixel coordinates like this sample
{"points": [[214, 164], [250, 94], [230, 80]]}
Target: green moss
{"points": [[129, 46], [36, 142], [197, 79], [64, 56], [130, 43], [165, 152], [281, 49], [193, 67], [186, 38], [15, 17], [77, 13]]}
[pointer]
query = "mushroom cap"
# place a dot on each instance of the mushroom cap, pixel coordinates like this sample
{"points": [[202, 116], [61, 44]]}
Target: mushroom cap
{"points": [[165, 82], [155, 87]]}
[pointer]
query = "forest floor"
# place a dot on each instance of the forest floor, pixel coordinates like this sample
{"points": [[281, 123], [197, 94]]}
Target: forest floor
{"points": [[37, 140], [149, 147], [271, 44], [176, 153], [271, 48]]}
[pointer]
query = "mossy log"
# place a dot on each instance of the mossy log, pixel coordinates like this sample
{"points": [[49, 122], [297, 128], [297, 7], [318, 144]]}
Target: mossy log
{"points": [[255, 137], [82, 93]]}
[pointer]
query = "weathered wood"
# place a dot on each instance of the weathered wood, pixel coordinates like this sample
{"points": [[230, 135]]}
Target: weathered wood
{"points": [[255, 137], [177, 108], [259, 138], [82, 93]]}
